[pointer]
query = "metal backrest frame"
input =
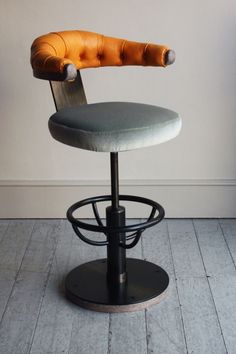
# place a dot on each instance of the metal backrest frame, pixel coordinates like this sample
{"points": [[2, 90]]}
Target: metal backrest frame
{"points": [[68, 93]]}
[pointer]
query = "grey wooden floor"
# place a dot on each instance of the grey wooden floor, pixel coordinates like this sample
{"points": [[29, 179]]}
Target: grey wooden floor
{"points": [[198, 316]]}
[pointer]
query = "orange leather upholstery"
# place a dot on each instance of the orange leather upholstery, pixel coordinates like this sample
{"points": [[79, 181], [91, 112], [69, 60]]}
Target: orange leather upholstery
{"points": [[53, 52]]}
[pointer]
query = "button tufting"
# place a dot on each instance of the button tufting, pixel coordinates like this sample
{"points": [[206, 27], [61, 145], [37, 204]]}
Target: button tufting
{"points": [[122, 56], [91, 50], [82, 56]]}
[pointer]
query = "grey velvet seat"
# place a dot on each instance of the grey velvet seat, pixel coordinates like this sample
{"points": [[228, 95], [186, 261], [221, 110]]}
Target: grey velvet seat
{"points": [[114, 126]]}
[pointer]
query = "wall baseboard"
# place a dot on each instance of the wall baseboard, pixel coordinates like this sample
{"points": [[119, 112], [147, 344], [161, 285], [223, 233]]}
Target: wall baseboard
{"points": [[181, 198]]}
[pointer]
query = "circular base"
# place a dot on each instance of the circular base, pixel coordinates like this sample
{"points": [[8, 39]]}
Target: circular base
{"points": [[145, 285]]}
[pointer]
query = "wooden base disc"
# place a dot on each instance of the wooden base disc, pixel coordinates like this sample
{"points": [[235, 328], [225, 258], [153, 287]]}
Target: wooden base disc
{"points": [[87, 286]]}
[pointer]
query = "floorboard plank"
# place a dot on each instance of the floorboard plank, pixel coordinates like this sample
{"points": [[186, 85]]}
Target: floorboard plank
{"points": [[7, 280], [128, 333], [165, 333], [202, 330], [156, 247], [3, 227], [40, 251], [14, 243], [201, 325], [54, 326], [228, 227], [19, 319], [224, 292], [214, 250], [24, 303], [89, 333], [164, 324], [216, 241], [186, 255]]}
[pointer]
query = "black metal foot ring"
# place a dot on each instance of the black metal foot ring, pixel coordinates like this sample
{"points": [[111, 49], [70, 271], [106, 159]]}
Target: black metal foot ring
{"points": [[137, 229]]}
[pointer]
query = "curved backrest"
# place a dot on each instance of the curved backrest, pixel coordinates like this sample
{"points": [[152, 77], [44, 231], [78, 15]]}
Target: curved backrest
{"points": [[57, 56]]}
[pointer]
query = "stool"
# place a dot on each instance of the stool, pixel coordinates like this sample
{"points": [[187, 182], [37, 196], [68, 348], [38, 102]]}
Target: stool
{"points": [[116, 283]]}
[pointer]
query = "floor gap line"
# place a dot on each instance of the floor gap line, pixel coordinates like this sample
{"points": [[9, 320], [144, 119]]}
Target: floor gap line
{"points": [[3, 236], [109, 335], [177, 290], [227, 244], [145, 310]]}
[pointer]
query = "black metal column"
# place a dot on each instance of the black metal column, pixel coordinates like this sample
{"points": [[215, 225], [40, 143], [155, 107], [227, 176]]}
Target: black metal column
{"points": [[114, 180], [115, 217]]}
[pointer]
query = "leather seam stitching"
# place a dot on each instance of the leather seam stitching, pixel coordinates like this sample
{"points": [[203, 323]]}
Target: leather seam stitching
{"points": [[56, 33], [102, 47], [123, 50], [144, 53], [50, 45], [82, 44], [98, 51]]}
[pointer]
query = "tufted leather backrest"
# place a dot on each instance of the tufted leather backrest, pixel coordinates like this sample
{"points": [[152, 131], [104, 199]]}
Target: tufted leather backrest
{"points": [[58, 55]]}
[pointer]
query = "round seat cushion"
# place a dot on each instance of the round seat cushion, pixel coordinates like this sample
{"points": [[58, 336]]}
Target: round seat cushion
{"points": [[114, 126]]}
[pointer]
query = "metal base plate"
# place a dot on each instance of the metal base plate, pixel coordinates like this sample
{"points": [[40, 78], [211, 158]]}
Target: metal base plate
{"points": [[87, 286]]}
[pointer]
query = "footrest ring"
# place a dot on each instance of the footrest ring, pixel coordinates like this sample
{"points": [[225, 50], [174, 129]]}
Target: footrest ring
{"points": [[136, 228]]}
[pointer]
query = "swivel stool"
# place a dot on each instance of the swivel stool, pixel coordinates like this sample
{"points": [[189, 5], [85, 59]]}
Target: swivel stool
{"points": [[116, 283]]}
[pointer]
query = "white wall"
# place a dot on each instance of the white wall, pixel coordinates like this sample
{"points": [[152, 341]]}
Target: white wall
{"points": [[197, 170]]}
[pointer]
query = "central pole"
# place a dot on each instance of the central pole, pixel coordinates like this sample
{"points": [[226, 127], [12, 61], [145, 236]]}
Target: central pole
{"points": [[115, 217], [114, 180]]}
